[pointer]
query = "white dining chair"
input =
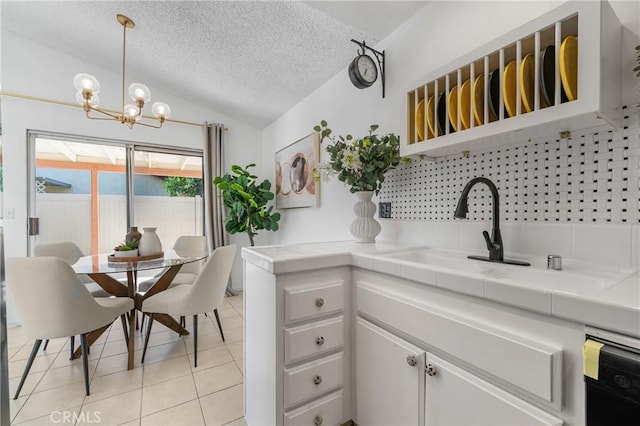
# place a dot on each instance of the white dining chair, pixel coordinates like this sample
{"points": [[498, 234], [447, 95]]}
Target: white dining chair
{"points": [[204, 295], [190, 246], [70, 253], [53, 303], [186, 246]]}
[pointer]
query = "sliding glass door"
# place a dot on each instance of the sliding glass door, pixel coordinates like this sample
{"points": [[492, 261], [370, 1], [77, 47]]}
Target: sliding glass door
{"points": [[77, 187], [90, 191], [167, 190]]}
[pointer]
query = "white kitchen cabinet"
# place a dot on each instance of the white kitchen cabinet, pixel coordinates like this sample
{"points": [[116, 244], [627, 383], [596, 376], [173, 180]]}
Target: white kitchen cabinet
{"points": [[455, 397], [330, 345], [297, 366], [484, 364], [389, 378], [397, 383]]}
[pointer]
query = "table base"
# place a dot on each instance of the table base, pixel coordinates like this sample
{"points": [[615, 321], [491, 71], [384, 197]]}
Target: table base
{"points": [[115, 287]]}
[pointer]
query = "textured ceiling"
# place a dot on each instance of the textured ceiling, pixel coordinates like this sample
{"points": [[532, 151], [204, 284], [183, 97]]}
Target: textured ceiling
{"points": [[252, 60]]}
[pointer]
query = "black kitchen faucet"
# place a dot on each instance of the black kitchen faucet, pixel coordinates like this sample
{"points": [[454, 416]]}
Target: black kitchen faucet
{"points": [[494, 244]]}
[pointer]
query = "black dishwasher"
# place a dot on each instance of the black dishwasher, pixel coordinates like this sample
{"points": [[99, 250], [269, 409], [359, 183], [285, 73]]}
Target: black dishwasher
{"points": [[614, 399]]}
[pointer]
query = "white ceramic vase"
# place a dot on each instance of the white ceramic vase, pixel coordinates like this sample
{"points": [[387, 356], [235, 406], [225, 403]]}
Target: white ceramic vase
{"points": [[149, 242], [365, 228]]}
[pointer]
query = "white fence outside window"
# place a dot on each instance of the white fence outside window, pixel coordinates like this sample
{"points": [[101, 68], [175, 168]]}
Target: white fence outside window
{"points": [[67, 217]]}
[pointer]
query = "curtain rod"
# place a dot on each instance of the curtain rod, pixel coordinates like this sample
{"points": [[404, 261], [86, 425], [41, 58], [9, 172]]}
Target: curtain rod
{"points": [[70, 104]]}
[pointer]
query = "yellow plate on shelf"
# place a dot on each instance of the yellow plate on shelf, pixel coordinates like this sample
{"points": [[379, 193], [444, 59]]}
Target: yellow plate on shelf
{"points": [[465, 105], [420, 120], [527, 81], [478, 101], [509, 88], [430, 117], [569, 66], [453, 107]]}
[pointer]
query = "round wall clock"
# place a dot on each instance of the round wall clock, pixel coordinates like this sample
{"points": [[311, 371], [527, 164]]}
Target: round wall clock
{"points": [[363, 71]]}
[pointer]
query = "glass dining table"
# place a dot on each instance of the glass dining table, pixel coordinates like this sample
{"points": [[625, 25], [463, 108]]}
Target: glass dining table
{"points": [[104, 271]]}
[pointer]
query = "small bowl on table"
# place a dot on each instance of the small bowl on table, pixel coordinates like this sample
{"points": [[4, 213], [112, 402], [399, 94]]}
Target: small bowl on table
{"points": [[125, 253]]}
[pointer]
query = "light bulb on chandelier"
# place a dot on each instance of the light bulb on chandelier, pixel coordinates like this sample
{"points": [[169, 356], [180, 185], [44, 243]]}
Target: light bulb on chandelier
{"points": [[88, 88]]}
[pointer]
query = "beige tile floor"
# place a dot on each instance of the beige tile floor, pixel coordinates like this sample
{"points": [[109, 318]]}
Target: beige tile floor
{"points": [[166, 390]]}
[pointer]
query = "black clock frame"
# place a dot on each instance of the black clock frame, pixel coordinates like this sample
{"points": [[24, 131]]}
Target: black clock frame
{"points": [[356, 77], [360, 84]]}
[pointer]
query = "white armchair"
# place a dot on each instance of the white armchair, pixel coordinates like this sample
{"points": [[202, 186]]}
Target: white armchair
{"points": [[70, 253], [185, 245], [190, 245], [53, 303], [204, 295]]}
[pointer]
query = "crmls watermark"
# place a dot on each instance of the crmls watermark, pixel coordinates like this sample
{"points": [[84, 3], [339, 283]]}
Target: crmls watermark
{"points": [[72, 417]]}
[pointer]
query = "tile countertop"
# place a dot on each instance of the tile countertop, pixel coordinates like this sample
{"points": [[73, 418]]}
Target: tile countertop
{"points": [[589, 294]]}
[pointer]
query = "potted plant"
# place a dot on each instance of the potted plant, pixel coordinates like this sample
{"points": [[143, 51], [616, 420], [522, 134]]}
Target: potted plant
{"points": [[247, 201], [361, 164], [129, 249]]}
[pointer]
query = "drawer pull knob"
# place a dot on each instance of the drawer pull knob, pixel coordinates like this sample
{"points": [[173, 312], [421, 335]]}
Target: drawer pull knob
{"points": [[317, 420], [317, 379], [412, 360], [431, 370], [319, 302], [320, 340]]}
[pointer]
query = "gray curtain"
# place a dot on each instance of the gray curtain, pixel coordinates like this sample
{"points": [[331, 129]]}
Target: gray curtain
{"points": [[213, 166], [213, 135]]}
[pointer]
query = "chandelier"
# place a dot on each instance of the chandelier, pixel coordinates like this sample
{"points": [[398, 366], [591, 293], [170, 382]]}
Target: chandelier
{"points": [[88, 88]]}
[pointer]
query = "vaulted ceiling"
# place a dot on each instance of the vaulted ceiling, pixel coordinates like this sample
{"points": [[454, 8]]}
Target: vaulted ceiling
{"points": [[252, 60]]}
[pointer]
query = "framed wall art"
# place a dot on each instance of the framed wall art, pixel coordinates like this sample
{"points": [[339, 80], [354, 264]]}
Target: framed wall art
{"points": [[295, 185]]}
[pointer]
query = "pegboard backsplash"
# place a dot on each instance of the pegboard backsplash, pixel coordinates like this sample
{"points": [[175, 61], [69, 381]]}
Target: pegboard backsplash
{"points": [[589, 177]]}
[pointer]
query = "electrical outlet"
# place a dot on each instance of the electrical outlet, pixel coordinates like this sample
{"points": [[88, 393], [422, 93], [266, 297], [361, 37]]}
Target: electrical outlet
{"points": [[384, 210]]}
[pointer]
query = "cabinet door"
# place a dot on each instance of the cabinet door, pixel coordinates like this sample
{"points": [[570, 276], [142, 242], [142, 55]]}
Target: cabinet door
{"points": [[389, 378], [456, 397]]}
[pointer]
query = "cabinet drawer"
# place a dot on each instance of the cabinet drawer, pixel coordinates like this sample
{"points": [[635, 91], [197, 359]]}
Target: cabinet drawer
{"points": [[308, 380], [312, 339], [309, 302], [325, 411]]}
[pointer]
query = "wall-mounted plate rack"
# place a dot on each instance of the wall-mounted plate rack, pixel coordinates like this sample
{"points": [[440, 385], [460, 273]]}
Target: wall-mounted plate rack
{"points": [[560, 71]]}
